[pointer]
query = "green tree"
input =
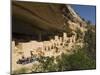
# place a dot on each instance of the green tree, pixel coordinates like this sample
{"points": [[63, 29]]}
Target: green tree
{"points": [[90, 41]]}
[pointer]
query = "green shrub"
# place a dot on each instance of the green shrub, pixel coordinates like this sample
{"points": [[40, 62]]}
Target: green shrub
{"points": [[90, 41], [81, 60], [77, 61]]}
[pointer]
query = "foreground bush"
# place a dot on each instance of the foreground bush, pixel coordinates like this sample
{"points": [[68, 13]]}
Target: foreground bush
{"points": [[77, 61]]}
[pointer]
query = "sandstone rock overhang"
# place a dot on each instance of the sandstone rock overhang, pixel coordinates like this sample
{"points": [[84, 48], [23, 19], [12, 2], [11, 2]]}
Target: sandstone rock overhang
{"points": [[33, 18]]}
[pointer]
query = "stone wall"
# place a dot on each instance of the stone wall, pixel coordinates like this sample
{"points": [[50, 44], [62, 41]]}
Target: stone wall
{"points": [[45, 46]]}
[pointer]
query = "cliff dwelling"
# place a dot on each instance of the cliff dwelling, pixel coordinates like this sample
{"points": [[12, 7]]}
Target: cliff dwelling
{"points": [[43, 30]]}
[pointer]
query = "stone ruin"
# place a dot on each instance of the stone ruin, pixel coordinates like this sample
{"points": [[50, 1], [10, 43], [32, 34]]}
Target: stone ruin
{"points": [[44, 48]]}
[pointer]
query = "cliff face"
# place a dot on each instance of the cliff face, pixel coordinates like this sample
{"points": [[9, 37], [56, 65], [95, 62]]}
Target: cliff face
{"points": [[43, 18]]}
